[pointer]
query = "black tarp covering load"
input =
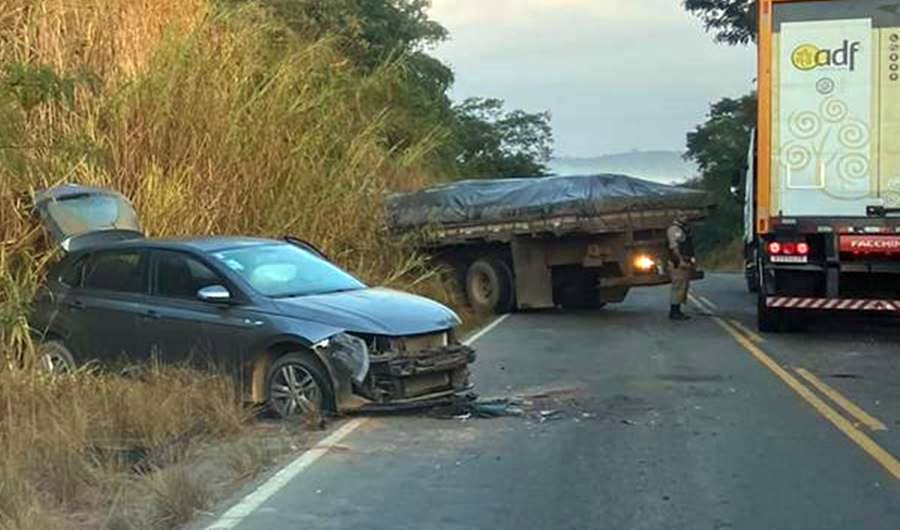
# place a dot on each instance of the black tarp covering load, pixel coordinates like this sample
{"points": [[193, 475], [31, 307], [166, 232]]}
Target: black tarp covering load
{"points": [[473, 202]]}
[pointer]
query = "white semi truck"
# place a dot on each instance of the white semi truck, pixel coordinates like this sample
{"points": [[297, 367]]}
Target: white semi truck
{"points": [[823, 211]]}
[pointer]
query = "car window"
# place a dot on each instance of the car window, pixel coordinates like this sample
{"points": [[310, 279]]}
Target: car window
{"points": [[283, 270], [70, 275], [178, 275], [115, 271]]}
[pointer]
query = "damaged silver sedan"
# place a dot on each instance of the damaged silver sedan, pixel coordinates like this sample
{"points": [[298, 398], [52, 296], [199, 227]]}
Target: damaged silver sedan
{"points": [[298, 331]]}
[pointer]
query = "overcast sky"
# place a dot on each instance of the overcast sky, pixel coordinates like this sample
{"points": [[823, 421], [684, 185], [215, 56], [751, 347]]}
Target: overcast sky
{"points": [[617, 75]]}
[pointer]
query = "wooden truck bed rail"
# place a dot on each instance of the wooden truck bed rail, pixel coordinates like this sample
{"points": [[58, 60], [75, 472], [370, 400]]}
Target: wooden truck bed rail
{"points": [[609, 223]]}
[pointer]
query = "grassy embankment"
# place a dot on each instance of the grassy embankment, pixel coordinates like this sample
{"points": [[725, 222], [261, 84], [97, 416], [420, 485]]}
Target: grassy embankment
{"points": [[727, 258], [211, 121]]}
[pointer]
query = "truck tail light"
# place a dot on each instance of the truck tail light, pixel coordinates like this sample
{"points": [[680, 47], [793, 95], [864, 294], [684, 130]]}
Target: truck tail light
{"points": [[789, 248]]}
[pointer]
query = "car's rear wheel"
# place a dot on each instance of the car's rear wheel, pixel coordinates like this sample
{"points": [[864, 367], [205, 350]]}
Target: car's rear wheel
{"points": [[297, 387], [55, 358], [489, 286]]}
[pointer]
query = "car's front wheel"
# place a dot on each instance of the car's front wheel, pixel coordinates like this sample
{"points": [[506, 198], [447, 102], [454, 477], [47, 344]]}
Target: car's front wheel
{"points": [[297, 387], [55, 358]]}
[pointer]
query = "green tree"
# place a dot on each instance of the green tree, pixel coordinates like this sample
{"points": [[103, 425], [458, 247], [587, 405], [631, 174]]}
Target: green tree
{"points": [[731, 21], [490, 142], [479, 138], [371, 31], [719, 147]]}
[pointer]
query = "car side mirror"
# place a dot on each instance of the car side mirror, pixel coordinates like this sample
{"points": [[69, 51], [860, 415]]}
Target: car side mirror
{"points": [[214, 294]]}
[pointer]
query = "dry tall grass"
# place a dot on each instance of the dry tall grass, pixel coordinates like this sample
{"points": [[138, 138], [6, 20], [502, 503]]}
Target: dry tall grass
{"points": [[70, 443], [211, 121]]}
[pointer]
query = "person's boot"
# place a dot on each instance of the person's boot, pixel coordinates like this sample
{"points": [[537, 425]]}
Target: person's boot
{"points": [[676, 314]]}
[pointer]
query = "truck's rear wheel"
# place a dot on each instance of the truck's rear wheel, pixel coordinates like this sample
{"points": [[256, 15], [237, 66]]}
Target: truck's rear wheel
{"points": [[489, 286], [751, 271], [768, 320]]}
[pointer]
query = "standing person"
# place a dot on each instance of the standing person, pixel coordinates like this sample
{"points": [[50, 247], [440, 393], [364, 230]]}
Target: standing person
{"points": [[681, 263]]}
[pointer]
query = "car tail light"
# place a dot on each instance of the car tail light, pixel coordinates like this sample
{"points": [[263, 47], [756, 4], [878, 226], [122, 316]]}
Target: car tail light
{"points": [[789, 249], [802, 249], [775, 248]]}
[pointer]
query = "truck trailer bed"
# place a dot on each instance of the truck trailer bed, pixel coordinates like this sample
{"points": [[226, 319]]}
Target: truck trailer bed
{"points": [[543, 242], [596, 203]]}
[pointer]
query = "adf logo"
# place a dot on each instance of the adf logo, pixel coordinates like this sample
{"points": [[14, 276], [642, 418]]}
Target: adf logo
{"points": [[810, 56]]}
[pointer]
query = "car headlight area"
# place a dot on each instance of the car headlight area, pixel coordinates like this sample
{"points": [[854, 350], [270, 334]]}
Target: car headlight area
{"points": [[349, 352]]}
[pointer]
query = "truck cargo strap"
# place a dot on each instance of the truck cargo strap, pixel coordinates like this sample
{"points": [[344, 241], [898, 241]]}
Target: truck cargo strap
{"points": [[836, 304]]}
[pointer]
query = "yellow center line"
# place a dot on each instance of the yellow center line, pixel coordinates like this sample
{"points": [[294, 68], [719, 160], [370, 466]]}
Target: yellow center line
{"points": [[887, 460], [861, 416], [755, 337], [708, 302], [697, 302]]}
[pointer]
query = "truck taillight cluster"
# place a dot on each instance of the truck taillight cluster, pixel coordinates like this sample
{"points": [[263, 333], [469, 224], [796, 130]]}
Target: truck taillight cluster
{"points": [[777, 248]]}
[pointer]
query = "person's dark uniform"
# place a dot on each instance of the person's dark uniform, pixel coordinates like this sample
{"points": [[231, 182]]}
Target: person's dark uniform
{"points": [[681, 264]]}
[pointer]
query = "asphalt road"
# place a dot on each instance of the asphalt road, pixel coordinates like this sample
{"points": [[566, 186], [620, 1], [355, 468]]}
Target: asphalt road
{"points": [[650, 425]]}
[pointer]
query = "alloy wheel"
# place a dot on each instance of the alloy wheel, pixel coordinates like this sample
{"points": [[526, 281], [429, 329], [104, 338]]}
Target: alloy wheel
{"points": [[295, 391], [54, 362]]}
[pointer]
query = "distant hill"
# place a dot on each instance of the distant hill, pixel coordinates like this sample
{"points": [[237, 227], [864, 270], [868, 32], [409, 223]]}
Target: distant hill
{"points": [[659, 166]]}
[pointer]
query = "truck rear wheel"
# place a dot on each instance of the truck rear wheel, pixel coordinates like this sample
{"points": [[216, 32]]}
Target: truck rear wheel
{"points": [[768, 320], [489, 286], [751, 271]]}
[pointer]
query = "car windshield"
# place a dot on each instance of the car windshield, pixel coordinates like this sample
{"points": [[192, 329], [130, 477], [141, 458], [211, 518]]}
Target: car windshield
{"points": [[284, 270]]}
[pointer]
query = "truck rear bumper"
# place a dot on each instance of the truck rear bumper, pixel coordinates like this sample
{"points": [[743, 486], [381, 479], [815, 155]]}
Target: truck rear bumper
{"points": [[832, 304]]}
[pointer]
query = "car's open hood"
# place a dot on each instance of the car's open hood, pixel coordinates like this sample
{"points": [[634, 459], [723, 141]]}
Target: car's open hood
{"points": [[82, 216], [374, 311]]}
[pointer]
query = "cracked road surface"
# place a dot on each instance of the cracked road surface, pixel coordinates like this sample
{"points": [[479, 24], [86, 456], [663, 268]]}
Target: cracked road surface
{"points": [[632, 422]]}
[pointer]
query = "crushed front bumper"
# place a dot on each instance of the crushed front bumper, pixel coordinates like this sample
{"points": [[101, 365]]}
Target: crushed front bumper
{"points": [[411, 380]]}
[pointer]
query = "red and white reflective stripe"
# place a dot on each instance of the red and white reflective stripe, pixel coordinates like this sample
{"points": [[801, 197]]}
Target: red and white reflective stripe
{"points": [[848, 304]]}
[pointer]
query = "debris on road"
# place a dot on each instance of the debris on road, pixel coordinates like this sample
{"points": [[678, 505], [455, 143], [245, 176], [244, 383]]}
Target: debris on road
{"points": [[466, 409], [539, 407]]}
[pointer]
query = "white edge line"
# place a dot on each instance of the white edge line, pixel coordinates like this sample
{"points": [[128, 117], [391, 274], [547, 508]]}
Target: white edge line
{"points": [[237, 513], [485, 330], [240, 511]]}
